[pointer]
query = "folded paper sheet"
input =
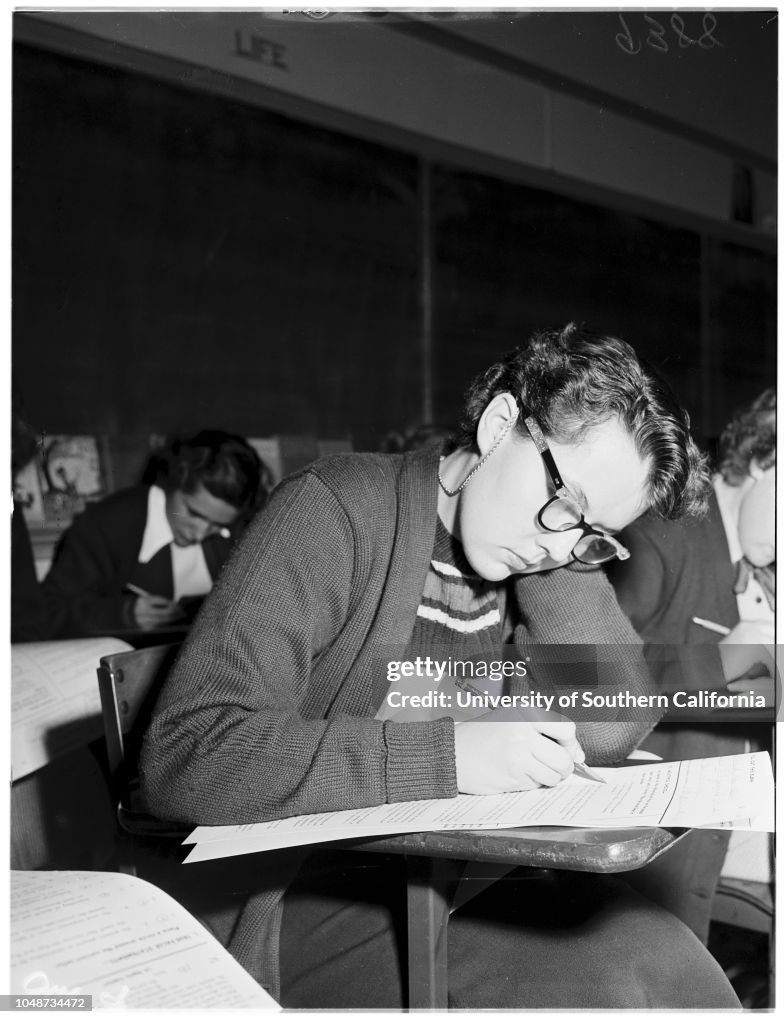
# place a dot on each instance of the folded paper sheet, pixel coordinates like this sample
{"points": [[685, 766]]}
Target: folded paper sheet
{"points": [[55, 702], [718, 792], [121, 940]]}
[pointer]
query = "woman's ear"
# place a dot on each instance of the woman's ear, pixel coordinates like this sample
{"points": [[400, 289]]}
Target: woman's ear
{"points": [[500, 413]]}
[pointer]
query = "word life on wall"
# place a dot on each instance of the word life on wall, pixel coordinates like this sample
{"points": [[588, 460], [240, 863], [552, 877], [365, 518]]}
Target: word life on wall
{"points": [[671, 36], [260, 50]]}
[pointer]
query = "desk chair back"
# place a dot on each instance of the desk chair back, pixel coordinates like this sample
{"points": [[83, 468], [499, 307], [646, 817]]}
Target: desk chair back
{"points": [[129, 683]]}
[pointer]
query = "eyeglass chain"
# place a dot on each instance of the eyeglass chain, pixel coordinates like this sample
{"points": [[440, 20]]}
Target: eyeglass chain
{"points": [[450, 494]]}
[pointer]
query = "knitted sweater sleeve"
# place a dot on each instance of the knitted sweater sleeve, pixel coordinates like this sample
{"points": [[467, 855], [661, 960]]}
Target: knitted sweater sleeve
{"points": [[579, 641], [238, 734]]}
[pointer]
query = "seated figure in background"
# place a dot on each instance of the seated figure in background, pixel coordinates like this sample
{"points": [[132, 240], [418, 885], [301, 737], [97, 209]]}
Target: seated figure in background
{"points": [[421, 435], [688, 578], [144, 557], [29, 620], [701, 595]]}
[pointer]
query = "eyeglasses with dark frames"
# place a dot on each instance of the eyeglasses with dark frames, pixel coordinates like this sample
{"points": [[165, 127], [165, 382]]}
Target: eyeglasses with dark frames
{"points": [[560, 513]]}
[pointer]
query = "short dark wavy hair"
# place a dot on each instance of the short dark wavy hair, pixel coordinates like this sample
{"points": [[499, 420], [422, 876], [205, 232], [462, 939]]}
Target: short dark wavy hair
{"points": [[224, 464], [573, 379], [751, 434]]}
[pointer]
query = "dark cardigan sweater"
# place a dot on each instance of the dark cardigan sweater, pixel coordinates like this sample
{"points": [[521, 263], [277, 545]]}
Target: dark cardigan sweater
{"points": [[269, 709], [678, 570], [97, 557]]}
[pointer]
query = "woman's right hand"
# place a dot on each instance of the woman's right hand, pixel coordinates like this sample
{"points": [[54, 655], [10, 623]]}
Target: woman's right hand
{"points": [[505, 757], [748, 644], [152, 610]]}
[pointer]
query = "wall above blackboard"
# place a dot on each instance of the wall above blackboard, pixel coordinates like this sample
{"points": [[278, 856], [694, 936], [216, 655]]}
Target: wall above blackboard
{"points": [[552, 92]]}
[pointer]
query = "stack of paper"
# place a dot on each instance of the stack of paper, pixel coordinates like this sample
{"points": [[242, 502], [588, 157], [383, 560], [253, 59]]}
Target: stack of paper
{"points": [[717, 792]]}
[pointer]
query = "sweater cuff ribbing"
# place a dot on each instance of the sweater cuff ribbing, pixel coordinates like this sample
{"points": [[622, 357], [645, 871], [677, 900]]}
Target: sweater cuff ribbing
{"points": [[420, 760]]}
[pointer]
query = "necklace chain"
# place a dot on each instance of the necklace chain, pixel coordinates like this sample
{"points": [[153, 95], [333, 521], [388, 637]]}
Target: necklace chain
{"points": [[478, 466]]}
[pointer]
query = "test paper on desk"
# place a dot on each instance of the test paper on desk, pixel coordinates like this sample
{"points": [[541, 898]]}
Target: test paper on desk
{"points": [[121, 940], [736, 791], [55, 703]]}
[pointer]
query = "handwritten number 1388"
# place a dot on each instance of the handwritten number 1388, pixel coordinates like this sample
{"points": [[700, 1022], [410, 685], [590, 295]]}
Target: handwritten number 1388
{"points": [[657, 32]]}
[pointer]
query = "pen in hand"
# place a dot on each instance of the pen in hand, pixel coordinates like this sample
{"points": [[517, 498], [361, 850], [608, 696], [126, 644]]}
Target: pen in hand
{"points": [[714, 627], [580, 768], [152, 611]]}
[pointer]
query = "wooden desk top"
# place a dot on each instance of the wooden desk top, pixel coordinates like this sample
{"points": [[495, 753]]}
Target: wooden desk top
{"points": [[599, 850]]}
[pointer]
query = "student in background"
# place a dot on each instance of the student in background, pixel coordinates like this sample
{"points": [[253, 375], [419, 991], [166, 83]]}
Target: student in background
{"points": [[60, 816], [712, 581], [701, 594], [144, 557], [413, 438], [29, 619], [277, 703]]}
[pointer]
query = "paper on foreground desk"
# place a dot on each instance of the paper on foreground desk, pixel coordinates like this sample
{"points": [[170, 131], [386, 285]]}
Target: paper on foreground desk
{"points": [[55, 702], [121, 940], [715, 792]]}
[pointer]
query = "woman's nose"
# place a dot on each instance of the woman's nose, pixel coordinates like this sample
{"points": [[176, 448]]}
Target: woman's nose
{"points": [[201, 530], [558, 545]]}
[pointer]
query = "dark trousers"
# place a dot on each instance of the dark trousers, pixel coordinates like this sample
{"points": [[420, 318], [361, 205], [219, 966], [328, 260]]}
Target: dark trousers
{"points": [[562, 940]]}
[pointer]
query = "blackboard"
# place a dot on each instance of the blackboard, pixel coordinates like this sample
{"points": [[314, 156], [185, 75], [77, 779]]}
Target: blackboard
{"points": [[183, 260], [513, 259]]}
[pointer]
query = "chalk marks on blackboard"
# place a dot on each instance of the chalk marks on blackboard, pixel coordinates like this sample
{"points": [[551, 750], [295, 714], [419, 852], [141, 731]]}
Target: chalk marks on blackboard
{"points": [[663, 38]]}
